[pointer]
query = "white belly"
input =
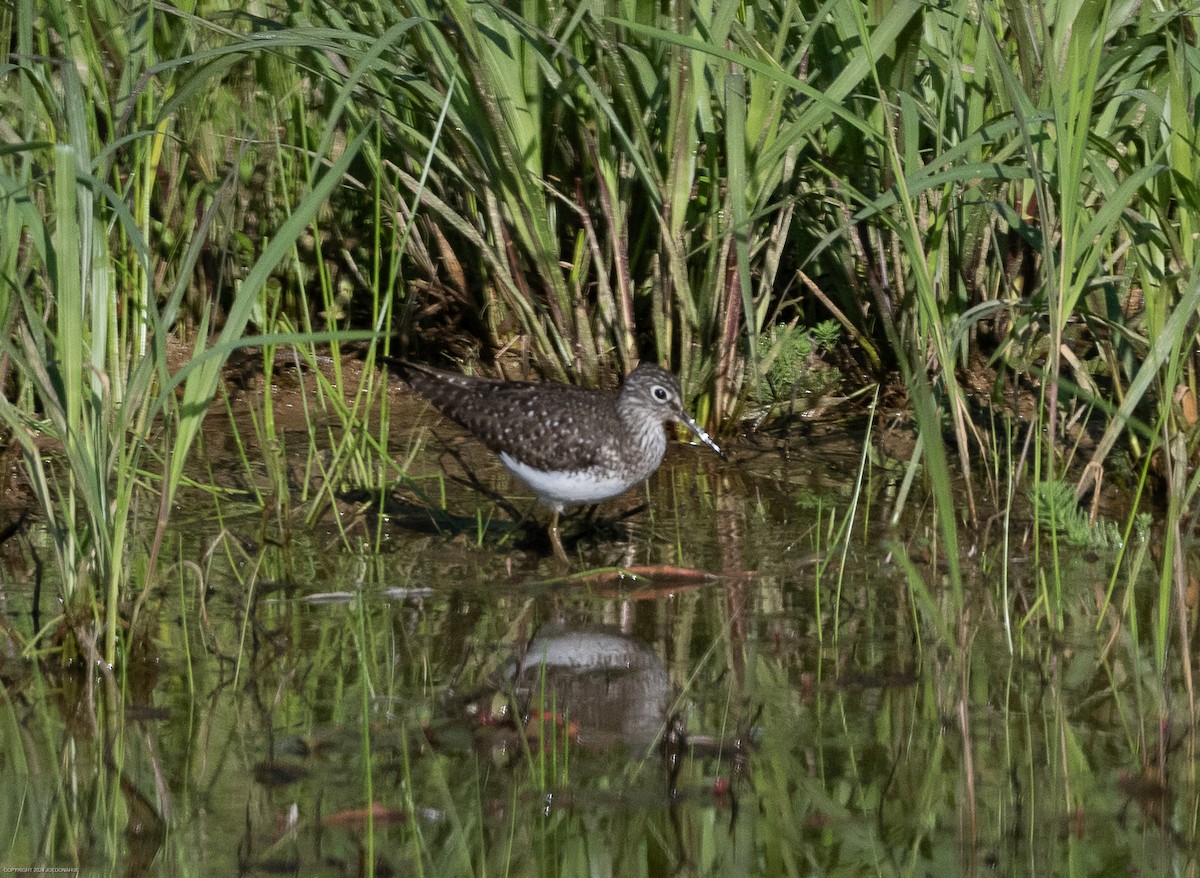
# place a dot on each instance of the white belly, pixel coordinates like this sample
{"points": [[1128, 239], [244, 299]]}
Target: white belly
{"points": [[559, 490]]}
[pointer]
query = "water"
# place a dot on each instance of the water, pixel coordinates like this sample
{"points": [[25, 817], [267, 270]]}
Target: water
{"points": [[767, 697]]}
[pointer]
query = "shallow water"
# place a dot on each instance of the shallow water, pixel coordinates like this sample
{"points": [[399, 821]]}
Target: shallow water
{"points": [[764, 696]]}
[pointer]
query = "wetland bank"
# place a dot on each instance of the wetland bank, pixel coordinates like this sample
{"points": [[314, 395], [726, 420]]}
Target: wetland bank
{"points": [[927, 273], [768, 692]]}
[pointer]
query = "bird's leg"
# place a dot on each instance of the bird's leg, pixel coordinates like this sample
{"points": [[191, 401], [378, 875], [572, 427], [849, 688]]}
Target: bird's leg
{"points": [[556, 541]]}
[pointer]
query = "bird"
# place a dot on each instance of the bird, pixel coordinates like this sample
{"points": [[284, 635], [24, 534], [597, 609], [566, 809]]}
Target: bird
{"points": [[570, 445]]}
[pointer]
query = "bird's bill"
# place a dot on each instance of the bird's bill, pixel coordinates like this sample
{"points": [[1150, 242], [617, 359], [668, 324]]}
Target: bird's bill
{"points": [[701, 435]]}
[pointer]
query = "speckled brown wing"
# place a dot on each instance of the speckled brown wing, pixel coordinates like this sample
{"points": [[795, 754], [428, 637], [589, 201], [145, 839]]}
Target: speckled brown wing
{"points": [[545, 425]]}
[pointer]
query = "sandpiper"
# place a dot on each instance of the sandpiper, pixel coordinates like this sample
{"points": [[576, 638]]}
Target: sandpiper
{"points": [[570, 445]]}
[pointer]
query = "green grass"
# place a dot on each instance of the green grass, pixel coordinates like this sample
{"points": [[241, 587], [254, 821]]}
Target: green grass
{"points": [[542, 187], [985, 208]]}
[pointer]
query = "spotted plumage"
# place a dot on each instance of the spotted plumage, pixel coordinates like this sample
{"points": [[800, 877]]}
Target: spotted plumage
{"points": [[571, 445]]}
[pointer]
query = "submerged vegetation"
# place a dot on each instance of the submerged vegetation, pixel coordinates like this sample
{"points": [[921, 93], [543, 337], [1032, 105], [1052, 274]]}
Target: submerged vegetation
{"points": [[978, 214]]}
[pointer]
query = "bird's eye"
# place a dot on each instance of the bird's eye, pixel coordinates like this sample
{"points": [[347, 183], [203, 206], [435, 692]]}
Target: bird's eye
{"points": [[660, 393]]}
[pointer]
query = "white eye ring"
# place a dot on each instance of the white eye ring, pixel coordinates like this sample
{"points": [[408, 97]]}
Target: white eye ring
{"points": [[659, 392]]}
